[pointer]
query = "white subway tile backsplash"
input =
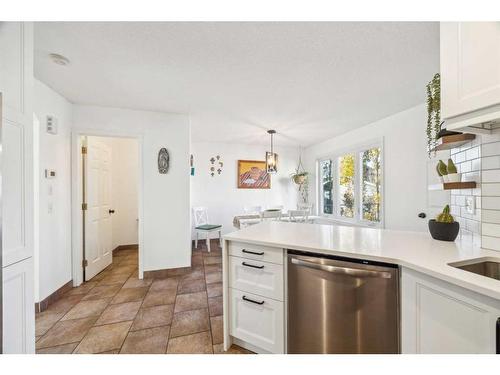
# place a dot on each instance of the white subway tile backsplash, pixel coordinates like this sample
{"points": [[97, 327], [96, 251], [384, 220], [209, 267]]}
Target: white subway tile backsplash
{"points": [[476, 164], [491, 162], [460, 157], [490, 190], [465, 167], [490, 216], [492, 175], [490, 203], [472, 153], [460, 200], [492, 243], [490, 149], [492, 230], [473, 225]]}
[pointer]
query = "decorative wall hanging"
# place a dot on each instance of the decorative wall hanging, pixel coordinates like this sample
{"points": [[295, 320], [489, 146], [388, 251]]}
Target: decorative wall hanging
{"points": [[216, 165], [252, 175], [163, 161]]}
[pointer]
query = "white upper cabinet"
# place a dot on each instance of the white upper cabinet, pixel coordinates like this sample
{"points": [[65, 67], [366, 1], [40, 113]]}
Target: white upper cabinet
{"points": [[470, 73]]}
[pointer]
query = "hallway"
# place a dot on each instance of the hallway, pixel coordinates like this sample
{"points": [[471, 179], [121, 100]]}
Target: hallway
{"points": [[116, 312]]}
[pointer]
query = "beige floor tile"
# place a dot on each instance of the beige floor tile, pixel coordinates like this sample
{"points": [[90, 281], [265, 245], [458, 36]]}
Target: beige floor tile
{"points": [[134, 282], [103, 291], [210, 268], [123, 270], [213, 277], [119, 313], [114, 280], [129, 262], [191, 301], [161, 297], [104, 338], [215, 306], [188, 322], [216, 325], [61, 349], [214, 290], [196, 273], [65, 304], [65, 332], [199, 343], [85, 309], [162, 284], [130, 295], [146, 341], [191, 286], [196, 261], [46, 320], [155, 316], [212, 260], [82, 289]]}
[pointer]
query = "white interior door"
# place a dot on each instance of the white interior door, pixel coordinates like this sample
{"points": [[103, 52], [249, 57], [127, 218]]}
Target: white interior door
{"points": [[98, 229]]}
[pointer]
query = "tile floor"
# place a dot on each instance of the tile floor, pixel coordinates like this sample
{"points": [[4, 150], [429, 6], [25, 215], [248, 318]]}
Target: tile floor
{"points": [[116, 312]]}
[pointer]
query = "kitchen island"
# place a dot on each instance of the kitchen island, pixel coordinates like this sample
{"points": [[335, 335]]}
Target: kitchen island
{"points": [[442, 308]]}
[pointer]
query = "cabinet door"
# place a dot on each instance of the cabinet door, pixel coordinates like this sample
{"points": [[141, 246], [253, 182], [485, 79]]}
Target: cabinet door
{"points": [[257, 320], [438, 317], [18, 308], [470, 66], [16, 86]]}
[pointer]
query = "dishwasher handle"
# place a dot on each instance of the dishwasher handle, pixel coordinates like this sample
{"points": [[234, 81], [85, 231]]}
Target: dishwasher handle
{"points": [[355, 272]]}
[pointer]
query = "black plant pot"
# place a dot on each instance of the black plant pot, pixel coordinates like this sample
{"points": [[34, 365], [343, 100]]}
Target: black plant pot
{"points": [[444, 231]]}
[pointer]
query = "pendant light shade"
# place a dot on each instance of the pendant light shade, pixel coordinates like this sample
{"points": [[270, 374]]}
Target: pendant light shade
{"points": [[271, 157]]}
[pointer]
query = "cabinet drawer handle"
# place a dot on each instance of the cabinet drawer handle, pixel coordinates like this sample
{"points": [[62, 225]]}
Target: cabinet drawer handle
{"points": [[252, 265], [251, 252], [251, 300]]}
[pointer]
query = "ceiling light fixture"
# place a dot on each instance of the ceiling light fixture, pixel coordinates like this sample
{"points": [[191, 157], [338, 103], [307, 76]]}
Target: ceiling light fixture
{"points": [[59, 59], [271, 157]]}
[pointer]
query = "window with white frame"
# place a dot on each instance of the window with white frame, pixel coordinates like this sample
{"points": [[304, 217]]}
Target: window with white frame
{"points": [[350, 185]]}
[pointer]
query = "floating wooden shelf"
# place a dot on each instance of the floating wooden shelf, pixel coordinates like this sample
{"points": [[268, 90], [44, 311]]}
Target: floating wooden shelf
{"points": [[454, 185], [452, 141]]}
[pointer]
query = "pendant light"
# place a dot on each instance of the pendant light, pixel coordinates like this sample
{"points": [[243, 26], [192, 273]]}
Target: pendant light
{"points": [[271, 157]]}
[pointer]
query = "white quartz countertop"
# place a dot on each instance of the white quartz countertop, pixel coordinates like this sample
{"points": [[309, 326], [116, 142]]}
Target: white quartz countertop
{"points": [[414, 250]]}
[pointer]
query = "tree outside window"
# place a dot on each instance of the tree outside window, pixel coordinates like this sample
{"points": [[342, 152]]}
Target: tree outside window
{"points": [[346, 188]]}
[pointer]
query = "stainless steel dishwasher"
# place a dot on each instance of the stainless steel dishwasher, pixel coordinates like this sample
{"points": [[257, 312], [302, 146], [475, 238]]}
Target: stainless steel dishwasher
{"points": [[341, 305]]}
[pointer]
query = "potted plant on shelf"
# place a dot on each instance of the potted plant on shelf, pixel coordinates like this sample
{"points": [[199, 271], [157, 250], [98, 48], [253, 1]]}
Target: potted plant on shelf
{"points": [[453, 176], [444, 227], [442, 171]]}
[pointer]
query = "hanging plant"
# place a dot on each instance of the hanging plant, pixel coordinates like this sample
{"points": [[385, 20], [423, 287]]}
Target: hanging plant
{"points": [[433, 112], [300, 177]]}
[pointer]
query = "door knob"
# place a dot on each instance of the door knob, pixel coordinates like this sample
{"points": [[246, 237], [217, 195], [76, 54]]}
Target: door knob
{"points": [[111, 211]]}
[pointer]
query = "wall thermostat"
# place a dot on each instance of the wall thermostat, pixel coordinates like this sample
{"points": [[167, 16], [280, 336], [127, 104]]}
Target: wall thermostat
{"points": [[50, 173], [51, 125]]}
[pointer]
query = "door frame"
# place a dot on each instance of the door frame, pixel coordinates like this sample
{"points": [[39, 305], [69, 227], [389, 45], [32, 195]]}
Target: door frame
{"points": [[77, 191]]}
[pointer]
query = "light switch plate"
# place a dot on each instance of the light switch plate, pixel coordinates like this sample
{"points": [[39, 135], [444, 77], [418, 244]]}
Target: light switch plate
{"points": [[470, 204]]}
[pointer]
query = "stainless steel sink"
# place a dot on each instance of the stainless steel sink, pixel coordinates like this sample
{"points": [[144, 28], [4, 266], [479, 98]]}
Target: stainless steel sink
{"points": [[489, 267]]}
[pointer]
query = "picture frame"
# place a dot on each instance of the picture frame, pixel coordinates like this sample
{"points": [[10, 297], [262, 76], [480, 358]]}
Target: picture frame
{"points": [[252, 174]]}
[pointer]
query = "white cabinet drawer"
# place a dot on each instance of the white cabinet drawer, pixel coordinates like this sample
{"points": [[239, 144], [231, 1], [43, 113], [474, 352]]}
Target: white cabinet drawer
{"points": [[257, 320], [257, 252], [265, 279]]}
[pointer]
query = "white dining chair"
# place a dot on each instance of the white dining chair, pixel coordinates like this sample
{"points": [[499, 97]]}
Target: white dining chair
{"points": [[203, 225], [271, 214], [298, 216], [252, 210], [277, 207], [305, 206]]}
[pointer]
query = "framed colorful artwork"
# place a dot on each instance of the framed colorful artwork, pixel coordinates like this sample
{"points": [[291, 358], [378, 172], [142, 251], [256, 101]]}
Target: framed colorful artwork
{"points": [[252, 175]]}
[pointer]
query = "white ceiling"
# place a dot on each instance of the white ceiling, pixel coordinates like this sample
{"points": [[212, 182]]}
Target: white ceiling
{"points": [[309, 81]]}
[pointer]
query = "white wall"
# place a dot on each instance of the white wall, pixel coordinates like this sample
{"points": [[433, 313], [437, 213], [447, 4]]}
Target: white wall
{"points": [[220, 193], [53, 248], [405, 165], [124, 189], [166, 199]]}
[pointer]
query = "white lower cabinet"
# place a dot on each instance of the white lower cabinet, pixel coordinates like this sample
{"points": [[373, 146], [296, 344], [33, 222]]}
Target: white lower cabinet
{"points": [[438, 317], [18, 308], [256, 320], [265, 279]]}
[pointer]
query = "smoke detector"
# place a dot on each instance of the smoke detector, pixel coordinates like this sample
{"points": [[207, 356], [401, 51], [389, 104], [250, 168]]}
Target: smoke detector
{"points": [[59, 59]]}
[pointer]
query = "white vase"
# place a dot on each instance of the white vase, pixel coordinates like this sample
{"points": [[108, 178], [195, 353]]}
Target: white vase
{"points": [[454, 177]]}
